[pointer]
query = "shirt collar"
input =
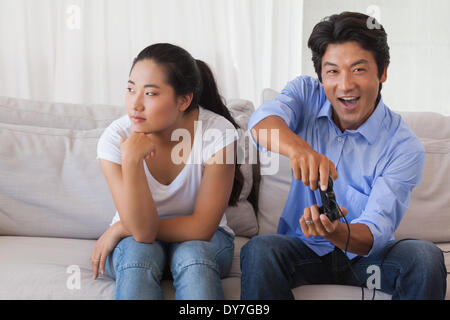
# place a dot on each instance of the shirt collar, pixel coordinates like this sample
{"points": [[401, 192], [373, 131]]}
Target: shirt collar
{"points": [[369, 129]]}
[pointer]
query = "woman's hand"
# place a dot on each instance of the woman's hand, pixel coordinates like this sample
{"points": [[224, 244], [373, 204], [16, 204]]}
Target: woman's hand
{"points": [[137, 146], [104, 246]]}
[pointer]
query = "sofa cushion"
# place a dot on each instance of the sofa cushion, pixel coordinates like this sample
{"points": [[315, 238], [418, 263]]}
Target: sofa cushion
{"points": [[52, 185], [242, 218], [239, 242], [44, 268], [337, 292], [57, 115], [428, 216], [273, 190]]}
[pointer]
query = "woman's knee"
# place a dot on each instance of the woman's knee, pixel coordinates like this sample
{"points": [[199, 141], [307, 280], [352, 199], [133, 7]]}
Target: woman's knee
{"points": [[191, 255], [131, 253]]}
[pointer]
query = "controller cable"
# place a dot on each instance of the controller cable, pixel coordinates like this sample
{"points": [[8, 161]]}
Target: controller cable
{"points": [[382, 261], [345, 252]]}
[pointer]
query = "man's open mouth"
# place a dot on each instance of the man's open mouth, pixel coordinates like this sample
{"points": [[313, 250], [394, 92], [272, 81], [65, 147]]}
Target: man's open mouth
{"points": [[349, 102]]}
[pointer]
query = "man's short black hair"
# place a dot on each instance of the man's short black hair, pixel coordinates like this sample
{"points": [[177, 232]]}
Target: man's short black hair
{"points": [[349, 26]]}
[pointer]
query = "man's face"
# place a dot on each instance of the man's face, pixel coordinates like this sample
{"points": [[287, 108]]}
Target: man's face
{"points": [[351, 83]]}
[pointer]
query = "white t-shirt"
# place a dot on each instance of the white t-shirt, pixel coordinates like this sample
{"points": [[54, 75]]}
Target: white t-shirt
{"points": [[212, 133]]}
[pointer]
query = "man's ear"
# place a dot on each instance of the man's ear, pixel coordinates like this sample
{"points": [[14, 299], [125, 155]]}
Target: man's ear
{"points": [[184, 101], [383, 77]]}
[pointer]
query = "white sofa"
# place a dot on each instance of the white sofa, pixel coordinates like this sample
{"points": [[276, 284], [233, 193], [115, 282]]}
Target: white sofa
{"points": [[55, 203]]}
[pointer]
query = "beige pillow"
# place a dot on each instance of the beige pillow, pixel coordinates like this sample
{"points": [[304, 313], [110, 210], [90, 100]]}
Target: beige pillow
{"points": [[242, 219], [52, 185], [428, 215], [57, 115]]}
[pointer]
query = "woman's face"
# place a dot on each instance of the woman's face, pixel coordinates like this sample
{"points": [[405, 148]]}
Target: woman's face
{"points": [[151, 98]]}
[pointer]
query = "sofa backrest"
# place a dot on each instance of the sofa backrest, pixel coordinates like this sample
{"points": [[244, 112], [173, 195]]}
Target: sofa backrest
{"points": [[428, 216], [51, 183], [274, 186]]}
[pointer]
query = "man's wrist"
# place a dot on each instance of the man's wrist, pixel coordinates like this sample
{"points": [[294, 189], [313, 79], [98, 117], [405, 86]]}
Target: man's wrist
{"points": [[297, 147], [339, 236], [361, 241]]}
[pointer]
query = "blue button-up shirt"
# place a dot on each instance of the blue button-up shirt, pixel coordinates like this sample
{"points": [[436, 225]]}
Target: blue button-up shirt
{"points": [[378, 164]]}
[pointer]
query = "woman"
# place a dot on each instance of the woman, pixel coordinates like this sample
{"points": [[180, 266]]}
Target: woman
{"points": [[170, 201]]}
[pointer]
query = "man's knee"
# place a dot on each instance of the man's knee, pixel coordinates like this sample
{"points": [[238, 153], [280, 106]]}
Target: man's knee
{"points": [[260, 248], [427, 256], [420, 257]]}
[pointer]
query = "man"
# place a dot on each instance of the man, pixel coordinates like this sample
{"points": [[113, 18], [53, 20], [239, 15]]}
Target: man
{"points": [[338, 126]]}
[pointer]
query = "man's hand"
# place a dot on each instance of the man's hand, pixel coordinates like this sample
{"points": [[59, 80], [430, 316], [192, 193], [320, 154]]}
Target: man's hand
{"points": [[308, 164], [315, 224]]}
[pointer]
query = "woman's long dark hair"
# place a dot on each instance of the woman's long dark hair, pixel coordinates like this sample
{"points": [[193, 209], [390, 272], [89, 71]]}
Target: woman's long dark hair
{"points": [[187, 75]]}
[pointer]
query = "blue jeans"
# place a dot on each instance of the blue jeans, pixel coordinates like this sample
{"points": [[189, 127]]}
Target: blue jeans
{"points": [[274, 264], [196, 267]]}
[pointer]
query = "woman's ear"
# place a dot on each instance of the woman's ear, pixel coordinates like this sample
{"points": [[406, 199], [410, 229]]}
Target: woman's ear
{"points": [[184, 101]]}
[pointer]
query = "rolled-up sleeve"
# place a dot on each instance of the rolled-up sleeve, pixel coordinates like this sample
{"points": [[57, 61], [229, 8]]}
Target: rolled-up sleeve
{"points": [[390, 196], [289, 105]]}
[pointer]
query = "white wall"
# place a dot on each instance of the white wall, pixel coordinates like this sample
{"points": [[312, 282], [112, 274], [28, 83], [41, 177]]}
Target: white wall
{"points": [[250, 45], [80, 51], [419, 40]]}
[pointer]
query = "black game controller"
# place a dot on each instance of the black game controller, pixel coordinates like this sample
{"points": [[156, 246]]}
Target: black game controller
{"points": [[329, 205]]}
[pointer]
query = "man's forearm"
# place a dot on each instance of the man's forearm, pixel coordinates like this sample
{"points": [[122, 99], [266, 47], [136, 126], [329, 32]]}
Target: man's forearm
{"points": [[287, 142], [140, 214], [361, 239]]}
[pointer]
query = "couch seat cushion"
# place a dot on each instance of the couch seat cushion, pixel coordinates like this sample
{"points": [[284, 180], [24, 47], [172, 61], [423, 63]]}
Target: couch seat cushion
{"points": [[45, 268]]}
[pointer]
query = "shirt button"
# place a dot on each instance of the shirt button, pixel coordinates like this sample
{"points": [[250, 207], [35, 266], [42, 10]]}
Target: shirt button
{"points": [[339, 139]]}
